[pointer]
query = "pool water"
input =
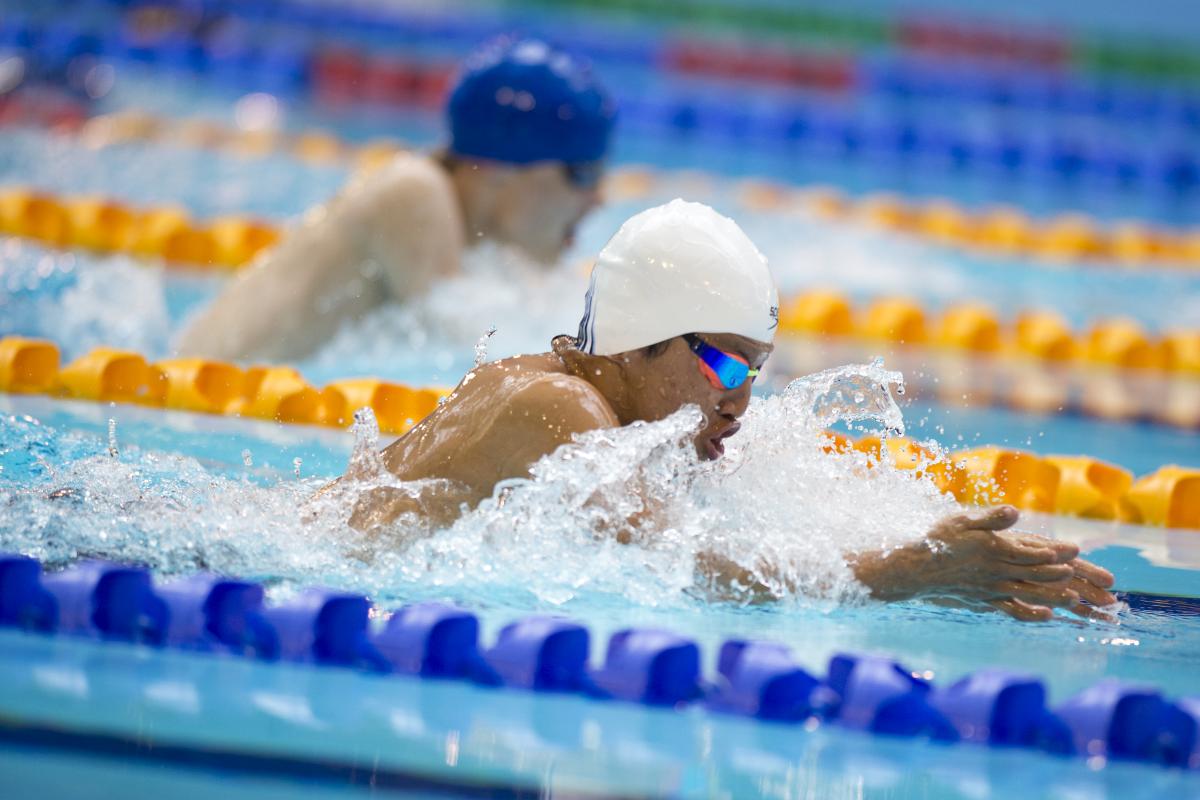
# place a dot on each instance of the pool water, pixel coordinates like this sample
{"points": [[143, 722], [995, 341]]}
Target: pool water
{"points": [[181, 492]]}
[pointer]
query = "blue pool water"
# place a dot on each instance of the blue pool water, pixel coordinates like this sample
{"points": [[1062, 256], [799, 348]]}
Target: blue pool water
{"points": [[182, 492]]}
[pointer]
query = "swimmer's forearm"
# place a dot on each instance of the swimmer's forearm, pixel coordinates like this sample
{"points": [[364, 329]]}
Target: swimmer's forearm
{"points": [[890, 577]]}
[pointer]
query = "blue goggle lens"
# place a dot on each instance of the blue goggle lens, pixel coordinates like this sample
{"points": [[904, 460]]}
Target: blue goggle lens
{"points": [[725, 370]]}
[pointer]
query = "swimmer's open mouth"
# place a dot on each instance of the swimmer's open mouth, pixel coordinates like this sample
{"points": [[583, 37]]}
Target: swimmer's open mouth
{"points": [[714, 445]]}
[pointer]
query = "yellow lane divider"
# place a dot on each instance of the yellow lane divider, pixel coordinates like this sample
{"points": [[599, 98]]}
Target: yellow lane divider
{"points": [[1078, 486], [974, 327], [32, 366], [317, 147], [109, 226], [1069, 237], [171, 234], [1072, 485], [1002, 230]]}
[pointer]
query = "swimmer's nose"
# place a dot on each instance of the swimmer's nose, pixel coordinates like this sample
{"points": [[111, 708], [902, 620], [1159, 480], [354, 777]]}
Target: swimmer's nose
{"points": [[735, 401]]}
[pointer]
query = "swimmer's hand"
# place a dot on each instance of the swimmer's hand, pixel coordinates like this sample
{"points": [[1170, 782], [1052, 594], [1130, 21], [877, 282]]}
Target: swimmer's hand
{"points": [[969, 560]]}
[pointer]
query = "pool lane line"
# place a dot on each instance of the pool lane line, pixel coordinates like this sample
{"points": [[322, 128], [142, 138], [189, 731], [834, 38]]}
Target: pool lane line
{"points": [[651, 667], [1070, 237], [1173, 605], [368, 775]]}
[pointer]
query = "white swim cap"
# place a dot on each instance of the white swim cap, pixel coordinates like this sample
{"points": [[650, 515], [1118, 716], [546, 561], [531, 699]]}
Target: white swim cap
{"points": [[675, 269]]}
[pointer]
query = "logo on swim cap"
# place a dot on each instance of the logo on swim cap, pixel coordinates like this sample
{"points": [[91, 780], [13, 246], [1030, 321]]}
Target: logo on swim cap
{"points": [[675, 269], [585, 338], [521, 101]]}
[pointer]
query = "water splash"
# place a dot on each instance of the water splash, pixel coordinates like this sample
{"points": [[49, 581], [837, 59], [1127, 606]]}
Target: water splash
{"points": [[850, 394], [366, 462], [481, 346], [113, 451], [776, 505]]}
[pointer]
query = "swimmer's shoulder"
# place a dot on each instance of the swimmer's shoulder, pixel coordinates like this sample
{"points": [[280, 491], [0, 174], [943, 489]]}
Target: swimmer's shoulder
{"points": [[409, 204], [566, 403], [408, 176]]}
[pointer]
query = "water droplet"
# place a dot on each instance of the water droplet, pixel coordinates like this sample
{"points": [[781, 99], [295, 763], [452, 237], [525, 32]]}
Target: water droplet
{"points": [[113, 452], [481, 345], [247, 459]]}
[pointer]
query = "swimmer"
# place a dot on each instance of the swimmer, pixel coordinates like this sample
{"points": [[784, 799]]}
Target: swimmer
{"points": [[529, 132], [682, 309]]}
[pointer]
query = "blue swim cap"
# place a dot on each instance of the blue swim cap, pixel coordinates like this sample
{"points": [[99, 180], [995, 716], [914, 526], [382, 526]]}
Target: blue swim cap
{"points": [[521, 101]]}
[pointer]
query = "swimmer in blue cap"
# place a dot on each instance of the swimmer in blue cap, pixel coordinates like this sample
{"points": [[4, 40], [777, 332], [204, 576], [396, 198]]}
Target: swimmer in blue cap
{"points": [[682, 310], [529, 133]]}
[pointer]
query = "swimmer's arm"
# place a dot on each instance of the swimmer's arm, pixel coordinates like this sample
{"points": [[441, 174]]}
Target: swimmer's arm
{"points": [[412, 225], [970, 560], [290, 299], [396, 229], [963, 561]]}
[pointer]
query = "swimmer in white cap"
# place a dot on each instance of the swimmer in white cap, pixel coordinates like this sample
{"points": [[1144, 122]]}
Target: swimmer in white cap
{"points": [[682, 309]]}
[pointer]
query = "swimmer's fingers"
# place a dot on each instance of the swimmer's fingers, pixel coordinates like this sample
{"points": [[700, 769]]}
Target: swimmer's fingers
{"points": [[1093, 613], [1014, 551], [1064, 552], [994, 519], [1036, 573], [1056, 595], [1023, 611], [1091, 593], [1093, 574]]}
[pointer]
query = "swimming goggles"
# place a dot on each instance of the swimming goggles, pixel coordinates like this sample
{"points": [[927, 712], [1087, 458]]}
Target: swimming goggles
{"points": [[723, 370], [584, 175]]}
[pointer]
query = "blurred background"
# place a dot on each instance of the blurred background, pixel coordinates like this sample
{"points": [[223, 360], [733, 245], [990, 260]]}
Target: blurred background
{"points": [[1050, 105]]}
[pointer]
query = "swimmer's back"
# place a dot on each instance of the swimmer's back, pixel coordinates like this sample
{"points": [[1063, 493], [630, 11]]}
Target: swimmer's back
{"points": [[388, 235]]}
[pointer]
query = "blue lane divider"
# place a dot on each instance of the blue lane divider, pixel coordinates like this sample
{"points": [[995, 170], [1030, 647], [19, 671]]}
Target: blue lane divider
{"points": [[434, 640], [762, 679], [1114, 719], [213, 613], [991, 707], [24, 603], [1002, 708], [542, 653], [250, 46], [326, 627], [650, 666], [877, 694], [108, 600]]}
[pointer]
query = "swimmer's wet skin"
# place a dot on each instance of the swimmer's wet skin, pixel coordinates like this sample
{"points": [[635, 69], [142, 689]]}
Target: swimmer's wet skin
{"points": [[682, 310], [529, 133]]}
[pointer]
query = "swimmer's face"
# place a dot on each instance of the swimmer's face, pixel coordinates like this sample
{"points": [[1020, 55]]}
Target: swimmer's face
{"points": [[543, 207], [659, 385]]}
